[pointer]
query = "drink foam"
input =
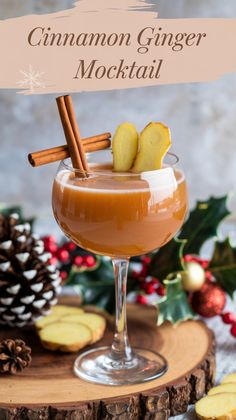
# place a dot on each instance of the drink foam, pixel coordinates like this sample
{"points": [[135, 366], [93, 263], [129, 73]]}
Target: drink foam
{"points": [[160, 180]]}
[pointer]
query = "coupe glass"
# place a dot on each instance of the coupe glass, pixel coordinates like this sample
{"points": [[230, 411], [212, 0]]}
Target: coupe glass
{"points": [[119, 215]]}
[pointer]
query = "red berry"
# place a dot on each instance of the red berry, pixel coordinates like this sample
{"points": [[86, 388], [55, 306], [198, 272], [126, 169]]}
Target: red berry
{"points": [[51, 247], [89, 261], [70, 246], [49, 239], [204, 263], [78, 261], [141, 299], [53, 261], [135, 274], [63, 255], [228, 318], [146, 259], [63, 275], [143, 271], [149, 288], [154, 281], [208, 275], [233, 330], [188, 258], [161, 291]]}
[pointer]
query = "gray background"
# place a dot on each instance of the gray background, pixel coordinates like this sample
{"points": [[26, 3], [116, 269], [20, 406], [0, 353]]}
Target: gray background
{"points": [[201, 117]]}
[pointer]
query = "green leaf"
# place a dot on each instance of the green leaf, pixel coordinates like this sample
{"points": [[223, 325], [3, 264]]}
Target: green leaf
{"points": [[97, 287], [100, 293], [168, 259], [223, 266], [174, 307], [203, 222], [7, 210]]}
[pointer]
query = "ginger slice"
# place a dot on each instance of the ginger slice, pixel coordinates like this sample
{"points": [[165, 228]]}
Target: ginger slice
{"points": [[64, 309], [155, 141], [226, 387], [65, 337], [219, 407], [95, 322], [56, 313], [48, 319], [124, 147], [229, 378]]}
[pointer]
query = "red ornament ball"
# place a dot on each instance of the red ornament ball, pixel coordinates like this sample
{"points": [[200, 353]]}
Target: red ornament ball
{"points": [[233, 330], [228, 318], [209, 301]]}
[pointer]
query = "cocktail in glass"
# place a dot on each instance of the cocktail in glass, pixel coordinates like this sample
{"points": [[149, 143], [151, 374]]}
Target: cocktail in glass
{"points": [[119, 215]]}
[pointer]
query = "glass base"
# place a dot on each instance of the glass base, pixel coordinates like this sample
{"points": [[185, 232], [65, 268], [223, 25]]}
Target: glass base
{"points": [[99, 366]]}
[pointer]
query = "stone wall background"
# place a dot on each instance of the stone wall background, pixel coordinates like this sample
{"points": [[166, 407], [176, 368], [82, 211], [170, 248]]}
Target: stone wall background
{"points": [[202, 118]]}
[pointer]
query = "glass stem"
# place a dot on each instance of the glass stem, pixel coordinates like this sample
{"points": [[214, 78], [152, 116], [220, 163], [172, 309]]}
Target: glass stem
{"points": [[120, 349]]}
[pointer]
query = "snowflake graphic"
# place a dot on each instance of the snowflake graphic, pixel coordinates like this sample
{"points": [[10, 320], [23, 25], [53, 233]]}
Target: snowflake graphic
{"points": [[32, 79]]}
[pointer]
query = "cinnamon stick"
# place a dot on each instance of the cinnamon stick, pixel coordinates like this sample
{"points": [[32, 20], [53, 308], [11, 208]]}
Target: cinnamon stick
{"points": [[76, 147], [69, 134], [54, 154], [85, 141], [75, 128]]}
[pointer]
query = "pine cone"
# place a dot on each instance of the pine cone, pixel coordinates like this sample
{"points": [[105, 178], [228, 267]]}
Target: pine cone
{"points": [[28, 284], [15, 355]]}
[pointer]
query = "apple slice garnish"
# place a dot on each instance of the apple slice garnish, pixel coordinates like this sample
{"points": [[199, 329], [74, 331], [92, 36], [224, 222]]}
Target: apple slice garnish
{"points": [[155, 141], [124, 147]]}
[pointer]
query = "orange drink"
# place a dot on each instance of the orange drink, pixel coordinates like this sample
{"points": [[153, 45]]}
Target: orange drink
{"points": [[120, 215]]}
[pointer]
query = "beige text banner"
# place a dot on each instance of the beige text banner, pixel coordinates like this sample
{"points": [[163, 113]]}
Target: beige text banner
{"points": [[112, 45]]}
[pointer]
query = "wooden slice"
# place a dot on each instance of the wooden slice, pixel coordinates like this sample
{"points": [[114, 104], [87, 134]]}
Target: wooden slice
{"points": [[48, 389]]}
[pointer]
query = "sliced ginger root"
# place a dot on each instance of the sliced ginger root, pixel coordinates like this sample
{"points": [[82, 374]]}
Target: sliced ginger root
{"points": [[69, 329], [124, 147], [219, 407], [48, 319], [95, 322], [155, 141], [64, 309], [226, 387], [56, 313], [229, 378], [62, 336]]}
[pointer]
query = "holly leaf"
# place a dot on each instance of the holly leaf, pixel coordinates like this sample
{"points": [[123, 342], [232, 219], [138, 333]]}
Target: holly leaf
{"points": [[174, 307], [203, 222], [223, 265], [7, 210], [168, 259]]}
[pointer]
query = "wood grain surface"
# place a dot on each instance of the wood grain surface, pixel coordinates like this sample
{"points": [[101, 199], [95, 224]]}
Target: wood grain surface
{"points": [[48, 389]]}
